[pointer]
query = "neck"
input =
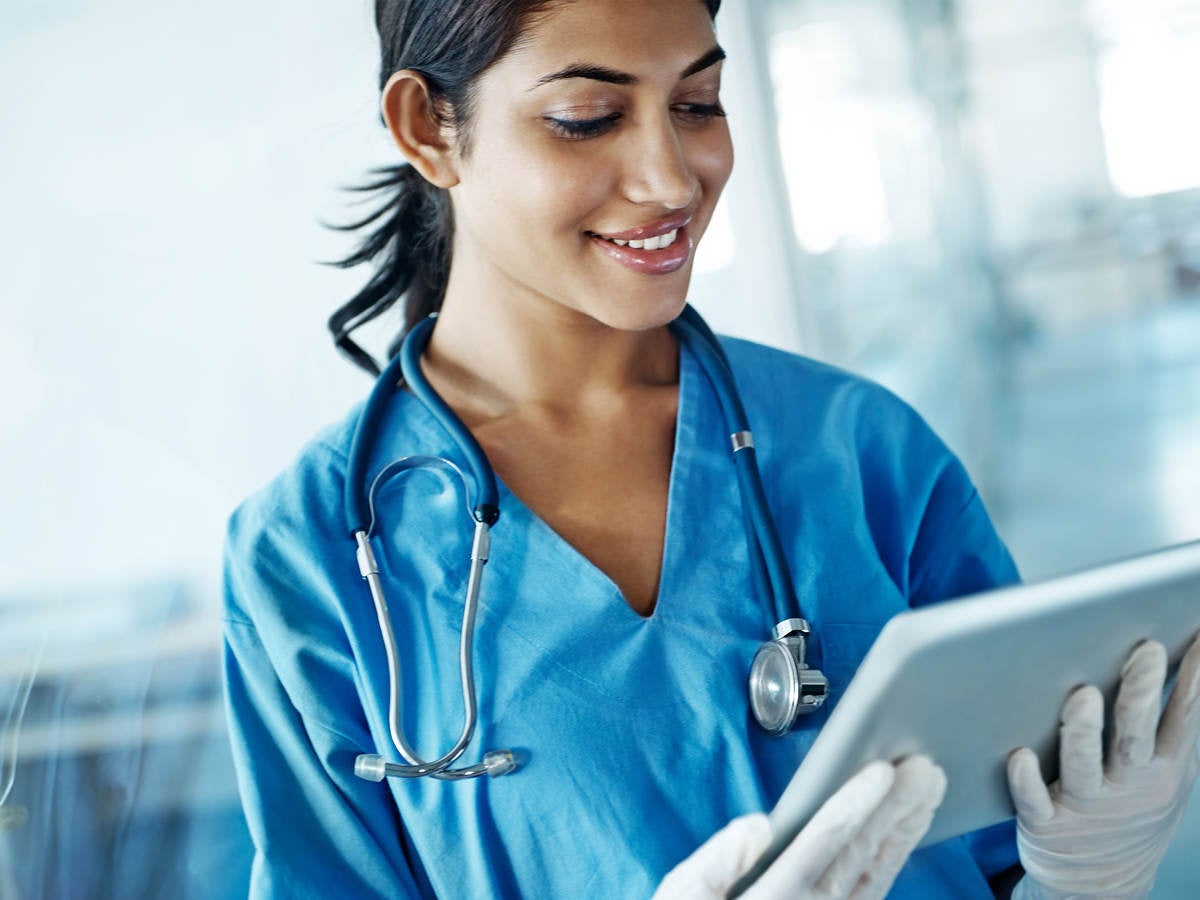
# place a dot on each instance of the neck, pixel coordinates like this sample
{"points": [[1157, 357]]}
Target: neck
{"points": [[491, 355]]}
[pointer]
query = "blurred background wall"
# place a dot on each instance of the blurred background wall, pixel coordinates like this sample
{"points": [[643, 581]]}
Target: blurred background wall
{"points": [[992, 208]]}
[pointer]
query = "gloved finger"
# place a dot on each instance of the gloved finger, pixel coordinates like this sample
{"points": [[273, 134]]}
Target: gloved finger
{"points": [[918, 788], [916, 792], [1080, 751], [1178, 730], [1028, 788], [819, 842], [892, 854], [719, 862], [1136, 712]]}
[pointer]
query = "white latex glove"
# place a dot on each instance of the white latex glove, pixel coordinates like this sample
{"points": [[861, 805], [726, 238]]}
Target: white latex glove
{"points": [[1102, 829], [852, 848]]}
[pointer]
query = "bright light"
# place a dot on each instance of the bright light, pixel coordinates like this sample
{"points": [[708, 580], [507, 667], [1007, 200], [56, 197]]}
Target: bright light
{"points": [[827, 134], [1148, 111]]}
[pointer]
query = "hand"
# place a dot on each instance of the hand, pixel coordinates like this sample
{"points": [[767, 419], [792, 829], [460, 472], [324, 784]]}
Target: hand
{"points": [[852, 848], [1102, 829]]}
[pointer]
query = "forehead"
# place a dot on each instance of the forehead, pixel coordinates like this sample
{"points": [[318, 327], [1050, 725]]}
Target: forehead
{"points": [[645, 38]]}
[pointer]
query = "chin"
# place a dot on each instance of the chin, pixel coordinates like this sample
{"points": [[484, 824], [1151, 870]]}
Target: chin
{"points": [[645, 317], [641, 311]]}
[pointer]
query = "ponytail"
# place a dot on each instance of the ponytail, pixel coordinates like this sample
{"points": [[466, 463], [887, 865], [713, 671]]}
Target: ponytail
{"points": [[412, 244]]}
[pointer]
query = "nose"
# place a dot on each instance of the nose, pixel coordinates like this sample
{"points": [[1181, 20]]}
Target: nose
{"points": [[657, 169]]}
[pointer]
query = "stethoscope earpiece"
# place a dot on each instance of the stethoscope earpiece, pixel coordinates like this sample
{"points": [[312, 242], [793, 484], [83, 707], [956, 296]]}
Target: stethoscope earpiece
{"points": [[782, 685], [373, 767]]}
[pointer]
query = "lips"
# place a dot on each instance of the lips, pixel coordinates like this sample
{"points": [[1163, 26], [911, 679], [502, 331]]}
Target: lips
{"points": [[646, 261], [650, 258]]}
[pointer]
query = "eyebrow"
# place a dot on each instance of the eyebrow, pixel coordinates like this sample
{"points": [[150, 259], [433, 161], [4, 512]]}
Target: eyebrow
{"points": [[612, 76]]}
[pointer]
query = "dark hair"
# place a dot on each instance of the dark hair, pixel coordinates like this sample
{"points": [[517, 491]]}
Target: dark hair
{"points": [[451, 43]]}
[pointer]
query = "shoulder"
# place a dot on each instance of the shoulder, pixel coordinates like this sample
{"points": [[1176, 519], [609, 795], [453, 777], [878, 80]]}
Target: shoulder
{"points": [[852, 446], [790, 379], [803, 397], [278, 536]]}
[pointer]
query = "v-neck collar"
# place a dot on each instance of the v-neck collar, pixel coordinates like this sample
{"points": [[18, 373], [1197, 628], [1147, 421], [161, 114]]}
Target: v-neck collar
{"points": [[546, 609], [518, 522], [529, 522]]}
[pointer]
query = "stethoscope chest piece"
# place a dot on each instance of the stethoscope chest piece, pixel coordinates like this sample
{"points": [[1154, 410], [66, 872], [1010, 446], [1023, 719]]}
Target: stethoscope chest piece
{"points": [[782, 686]]}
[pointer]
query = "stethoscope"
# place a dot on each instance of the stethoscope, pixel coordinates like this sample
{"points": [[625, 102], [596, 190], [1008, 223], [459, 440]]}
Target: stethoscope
{"points": [[782, 686]]}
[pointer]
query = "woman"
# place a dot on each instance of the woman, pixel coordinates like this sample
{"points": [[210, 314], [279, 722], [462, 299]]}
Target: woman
{"points": [[544, 141]]}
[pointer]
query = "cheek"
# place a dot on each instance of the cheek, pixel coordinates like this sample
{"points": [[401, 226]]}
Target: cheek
{"points": [[712, 161], [545, 187]]}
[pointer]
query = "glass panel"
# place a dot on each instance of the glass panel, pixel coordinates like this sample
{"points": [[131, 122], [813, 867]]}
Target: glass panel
{"points": [[880, 183]]}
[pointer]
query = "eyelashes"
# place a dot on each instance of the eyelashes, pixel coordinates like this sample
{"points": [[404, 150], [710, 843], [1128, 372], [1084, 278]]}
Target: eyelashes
{"points": [[578, 129], [581, 129]]}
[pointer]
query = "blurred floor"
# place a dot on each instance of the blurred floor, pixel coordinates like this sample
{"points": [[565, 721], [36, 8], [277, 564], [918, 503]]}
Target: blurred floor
{"points": [[1100, 436]]}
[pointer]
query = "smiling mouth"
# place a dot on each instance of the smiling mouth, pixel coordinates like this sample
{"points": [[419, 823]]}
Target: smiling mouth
{"points": [[659, 242], [655, 254]]}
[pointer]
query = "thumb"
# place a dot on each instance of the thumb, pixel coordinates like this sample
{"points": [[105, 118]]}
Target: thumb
{"points": [[719, 862]]}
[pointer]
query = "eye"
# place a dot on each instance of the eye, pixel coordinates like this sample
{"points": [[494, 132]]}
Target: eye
{"points": [[579, 129], [698, 112]]}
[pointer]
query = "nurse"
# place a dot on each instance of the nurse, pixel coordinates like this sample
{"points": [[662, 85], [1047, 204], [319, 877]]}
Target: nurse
{"points": [[542, 142]]}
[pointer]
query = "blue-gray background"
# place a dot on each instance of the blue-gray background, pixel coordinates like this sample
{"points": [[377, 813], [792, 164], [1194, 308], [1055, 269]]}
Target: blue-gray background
{"points": [[992, 207]]}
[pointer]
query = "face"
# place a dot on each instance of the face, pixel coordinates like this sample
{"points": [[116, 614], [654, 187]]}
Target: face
{"points": [[601, 130]]}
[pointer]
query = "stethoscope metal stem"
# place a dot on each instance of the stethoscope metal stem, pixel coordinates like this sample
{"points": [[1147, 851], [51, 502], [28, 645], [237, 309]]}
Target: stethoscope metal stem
{"points": [[373, 767]]}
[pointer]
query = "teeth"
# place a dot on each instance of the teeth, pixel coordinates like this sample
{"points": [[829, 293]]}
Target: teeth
{"points": [[652, 243], [666, 240]]}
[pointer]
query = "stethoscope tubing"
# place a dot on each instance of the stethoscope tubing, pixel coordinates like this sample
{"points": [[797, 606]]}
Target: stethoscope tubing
{"points": [[406, 366], [768, 552], [486, 507]]}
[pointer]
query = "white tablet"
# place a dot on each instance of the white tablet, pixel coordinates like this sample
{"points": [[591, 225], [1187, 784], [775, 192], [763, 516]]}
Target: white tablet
{"points": [[967, 682]]}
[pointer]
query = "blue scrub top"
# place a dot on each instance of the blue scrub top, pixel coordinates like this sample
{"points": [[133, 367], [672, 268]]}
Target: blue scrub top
{"points": [[638, 735]]}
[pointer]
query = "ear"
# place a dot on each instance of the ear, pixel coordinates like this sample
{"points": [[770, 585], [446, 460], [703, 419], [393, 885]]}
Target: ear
{"points": [[408, 111]]}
